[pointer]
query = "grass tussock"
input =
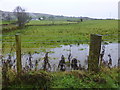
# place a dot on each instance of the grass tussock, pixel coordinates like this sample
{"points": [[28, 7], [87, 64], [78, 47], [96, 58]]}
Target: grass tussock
{"points": [[32, 79], [106, 78]]}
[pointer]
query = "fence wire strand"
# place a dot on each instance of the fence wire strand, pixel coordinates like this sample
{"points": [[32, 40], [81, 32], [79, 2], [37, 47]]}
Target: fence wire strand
{"points": [[60, 36]]}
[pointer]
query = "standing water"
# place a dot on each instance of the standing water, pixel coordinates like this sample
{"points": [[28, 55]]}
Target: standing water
{"points": [[80, 52]]}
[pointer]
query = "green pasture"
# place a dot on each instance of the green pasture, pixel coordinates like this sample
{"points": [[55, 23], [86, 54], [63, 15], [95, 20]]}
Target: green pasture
{"points": [[52, 36]]}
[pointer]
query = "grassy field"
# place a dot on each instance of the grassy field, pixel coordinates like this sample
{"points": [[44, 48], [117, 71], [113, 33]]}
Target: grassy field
{"points": [[55, 35], [52, 36]]}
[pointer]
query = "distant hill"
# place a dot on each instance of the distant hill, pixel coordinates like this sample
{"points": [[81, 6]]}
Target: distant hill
{"points": [[36, 16]]}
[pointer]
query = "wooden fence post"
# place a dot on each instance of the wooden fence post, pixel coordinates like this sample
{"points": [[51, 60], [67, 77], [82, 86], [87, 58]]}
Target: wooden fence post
{"points": [[94, 52], [18, 53], [118, 68]]}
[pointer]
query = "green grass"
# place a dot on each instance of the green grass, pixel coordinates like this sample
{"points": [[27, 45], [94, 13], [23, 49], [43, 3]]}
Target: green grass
{"points": [[38, 22], [6, 22], [106, 78], [55, 35]]}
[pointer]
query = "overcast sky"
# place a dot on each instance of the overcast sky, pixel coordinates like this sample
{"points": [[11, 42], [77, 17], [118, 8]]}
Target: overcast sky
{"points": [[90, 8]]}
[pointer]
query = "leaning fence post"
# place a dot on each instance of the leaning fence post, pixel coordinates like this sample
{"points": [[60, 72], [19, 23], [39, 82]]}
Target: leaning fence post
{"points": [[18, 53], [94, 52]]}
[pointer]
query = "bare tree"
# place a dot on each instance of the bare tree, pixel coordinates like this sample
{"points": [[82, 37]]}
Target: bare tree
{"points": [[22, 16]]}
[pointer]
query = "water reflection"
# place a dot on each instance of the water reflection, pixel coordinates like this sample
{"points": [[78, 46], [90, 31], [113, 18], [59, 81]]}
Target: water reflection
{"points": [[80, 52]]}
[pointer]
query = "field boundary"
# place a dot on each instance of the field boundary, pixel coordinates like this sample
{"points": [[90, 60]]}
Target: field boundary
{"points": [[51, 24], [6, 30]]}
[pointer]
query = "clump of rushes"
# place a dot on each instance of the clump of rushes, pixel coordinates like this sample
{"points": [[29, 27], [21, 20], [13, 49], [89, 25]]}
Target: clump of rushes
{"points": [[33, 79]]}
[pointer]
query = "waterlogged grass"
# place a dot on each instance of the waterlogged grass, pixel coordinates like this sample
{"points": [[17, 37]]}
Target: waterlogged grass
{"points": [[106, 78], [55, 35]]}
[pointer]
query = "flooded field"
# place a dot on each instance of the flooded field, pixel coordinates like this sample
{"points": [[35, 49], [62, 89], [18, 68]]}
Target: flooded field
{"points": [[80, 52]]}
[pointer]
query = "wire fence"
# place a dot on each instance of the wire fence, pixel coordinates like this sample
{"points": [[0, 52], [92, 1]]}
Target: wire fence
{"points": [[11, 39], [51, 42], [10, 44]]}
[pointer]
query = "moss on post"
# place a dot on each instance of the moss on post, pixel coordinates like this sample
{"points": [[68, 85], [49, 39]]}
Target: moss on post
{"points": [[18, 53], [94, 52]]}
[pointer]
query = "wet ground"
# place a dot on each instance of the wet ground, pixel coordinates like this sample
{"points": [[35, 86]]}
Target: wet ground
{"points": [[80, 52]]}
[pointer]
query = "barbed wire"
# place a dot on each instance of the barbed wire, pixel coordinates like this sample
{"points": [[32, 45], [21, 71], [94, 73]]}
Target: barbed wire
{"points": [[42, 40], [57, 36], [7, 35], [28, 41], [110, 34], [110, 39], [55, 42], [48, 42], [32, 48]]}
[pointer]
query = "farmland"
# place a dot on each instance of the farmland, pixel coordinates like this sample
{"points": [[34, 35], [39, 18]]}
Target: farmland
{"points": [[44, 34], [55, 44], [55, 35]]}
